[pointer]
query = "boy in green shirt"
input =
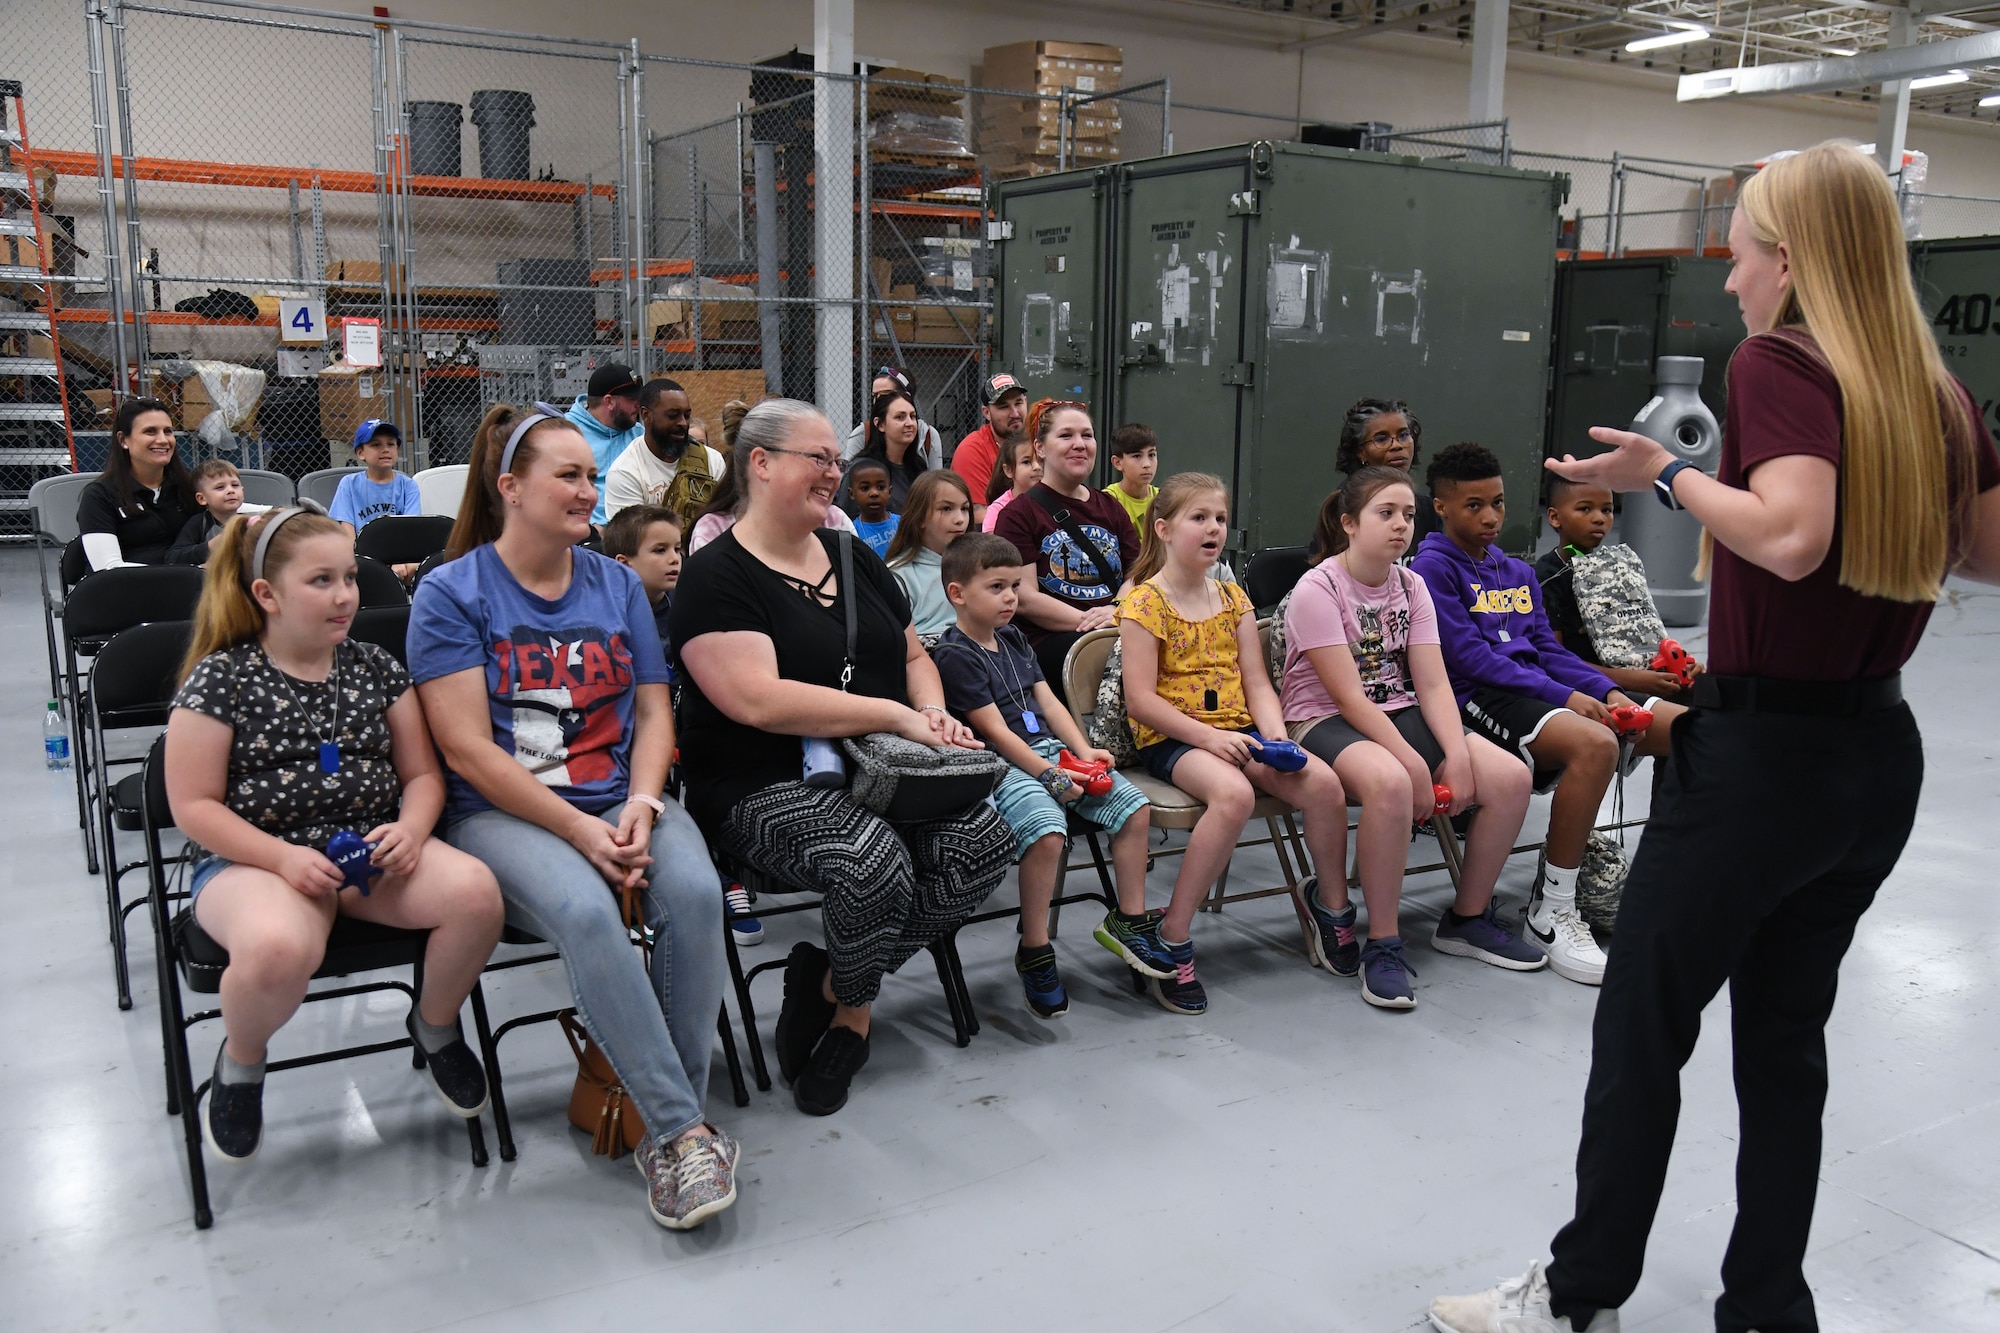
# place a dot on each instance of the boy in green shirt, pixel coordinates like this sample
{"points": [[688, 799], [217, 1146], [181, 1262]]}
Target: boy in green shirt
{"points": [[1135, 452]]}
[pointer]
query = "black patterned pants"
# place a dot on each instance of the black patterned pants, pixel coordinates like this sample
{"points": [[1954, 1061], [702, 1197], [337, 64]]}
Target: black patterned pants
{"points": [[888, 889]]}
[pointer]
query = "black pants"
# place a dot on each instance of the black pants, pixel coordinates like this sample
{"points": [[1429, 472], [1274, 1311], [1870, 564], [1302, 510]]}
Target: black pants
{"points": [[1051, 652], [1773, 834]]}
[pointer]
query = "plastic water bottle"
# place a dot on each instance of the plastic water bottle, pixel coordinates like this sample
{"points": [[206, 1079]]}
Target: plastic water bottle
{"points": [[55, 736]]}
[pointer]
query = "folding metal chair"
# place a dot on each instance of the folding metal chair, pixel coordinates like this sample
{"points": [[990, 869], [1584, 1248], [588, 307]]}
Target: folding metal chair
{"points": [[52, 505], [267, 488], [319, 486], [403, 539], [378, 583], [186, 955]]}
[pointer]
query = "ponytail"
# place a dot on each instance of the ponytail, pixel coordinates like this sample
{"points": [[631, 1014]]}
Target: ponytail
{"points": [[481, 513], [1176, 493]]}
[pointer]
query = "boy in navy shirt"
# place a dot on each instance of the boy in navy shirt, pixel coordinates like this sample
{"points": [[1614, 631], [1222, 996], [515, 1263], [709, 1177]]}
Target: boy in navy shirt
{"points": [[994, 685], [648, 538]]}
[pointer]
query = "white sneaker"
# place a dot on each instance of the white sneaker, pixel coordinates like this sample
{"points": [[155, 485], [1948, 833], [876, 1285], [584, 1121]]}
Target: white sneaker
{"points": [[1518, 1305], [1561, 932]]}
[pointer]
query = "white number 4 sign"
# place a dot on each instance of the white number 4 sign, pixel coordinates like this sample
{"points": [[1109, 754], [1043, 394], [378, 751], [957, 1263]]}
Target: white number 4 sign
{"points": [[301, 319]]}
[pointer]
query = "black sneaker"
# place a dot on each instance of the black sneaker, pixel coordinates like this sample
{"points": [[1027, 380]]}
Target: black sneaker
{"points": [[821, 1087], [805, 1013], [1041, 982], [454, 1072], [232, 1119]]}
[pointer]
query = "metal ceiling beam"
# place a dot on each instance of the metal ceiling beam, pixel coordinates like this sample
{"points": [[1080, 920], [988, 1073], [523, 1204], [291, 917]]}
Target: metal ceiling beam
{"points": [[1818, 76], [1402, 23]]}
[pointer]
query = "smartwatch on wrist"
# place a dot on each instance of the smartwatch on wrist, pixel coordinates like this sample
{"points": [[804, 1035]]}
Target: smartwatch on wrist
{"points": [[1663, 485]]}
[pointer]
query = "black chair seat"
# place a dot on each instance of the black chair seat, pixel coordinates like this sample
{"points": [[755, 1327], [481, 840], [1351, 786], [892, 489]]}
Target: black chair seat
{"points": [[1272, 573], [403, 539], [128, 803], [353, 946]]}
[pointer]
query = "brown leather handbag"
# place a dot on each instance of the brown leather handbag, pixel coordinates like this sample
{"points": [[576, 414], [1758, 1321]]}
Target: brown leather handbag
{"points": [[599, 1104]]}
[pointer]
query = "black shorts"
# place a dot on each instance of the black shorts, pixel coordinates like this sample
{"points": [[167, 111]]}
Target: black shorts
{"points": [[1510, 721], [1328, 736]]}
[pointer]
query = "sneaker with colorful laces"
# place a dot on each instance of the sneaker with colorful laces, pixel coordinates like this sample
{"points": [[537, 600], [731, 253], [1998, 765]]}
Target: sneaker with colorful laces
{"points": [[1041, 982], [1385, 974], [706, 1173], [1330, 941], [1180, 993], [1137, 942], [745, 929], [1484, 938]]}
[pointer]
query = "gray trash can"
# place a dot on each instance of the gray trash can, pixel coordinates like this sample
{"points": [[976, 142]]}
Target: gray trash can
{"points": [[434, 135], [504, 119]]}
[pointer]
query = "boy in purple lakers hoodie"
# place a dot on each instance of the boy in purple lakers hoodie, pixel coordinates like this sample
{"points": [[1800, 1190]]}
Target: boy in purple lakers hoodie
{"points": [[1523, 690]]}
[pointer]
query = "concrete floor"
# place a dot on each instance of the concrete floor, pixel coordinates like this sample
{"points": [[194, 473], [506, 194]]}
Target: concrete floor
{"points": [[1294, 1160]]}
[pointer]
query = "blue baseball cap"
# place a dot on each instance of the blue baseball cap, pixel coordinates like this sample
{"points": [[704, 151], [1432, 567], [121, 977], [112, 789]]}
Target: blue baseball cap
{"points": [[374, 426]]}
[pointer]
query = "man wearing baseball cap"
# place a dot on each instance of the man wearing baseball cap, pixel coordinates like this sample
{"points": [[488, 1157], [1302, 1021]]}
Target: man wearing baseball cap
{"points": [[608, 416], [1004, 403], [889, 379]]}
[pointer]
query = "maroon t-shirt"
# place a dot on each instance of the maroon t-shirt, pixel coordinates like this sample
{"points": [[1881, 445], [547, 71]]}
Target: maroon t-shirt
{"points": [[1082, 579], [1784, 399]]}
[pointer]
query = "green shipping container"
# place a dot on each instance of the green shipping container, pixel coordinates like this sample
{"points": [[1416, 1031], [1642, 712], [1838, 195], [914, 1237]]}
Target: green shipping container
{"points": [[1958, 282], [1614, 319], [1238, 299]]}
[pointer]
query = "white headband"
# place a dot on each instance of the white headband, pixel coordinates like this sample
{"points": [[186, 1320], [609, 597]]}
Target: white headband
{"points": [[270, 530], [542, 412]]}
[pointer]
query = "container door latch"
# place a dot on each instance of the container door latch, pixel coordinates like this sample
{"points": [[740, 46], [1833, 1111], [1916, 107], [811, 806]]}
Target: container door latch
{"points": [[1242, 374]]}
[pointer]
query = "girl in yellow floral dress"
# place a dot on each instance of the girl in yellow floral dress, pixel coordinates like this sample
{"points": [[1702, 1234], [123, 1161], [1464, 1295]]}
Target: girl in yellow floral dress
{"points": [[1200, 701]]}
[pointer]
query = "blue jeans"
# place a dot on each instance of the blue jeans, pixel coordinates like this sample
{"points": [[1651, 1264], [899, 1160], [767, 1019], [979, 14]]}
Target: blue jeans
{"points": [[658, 1033]]}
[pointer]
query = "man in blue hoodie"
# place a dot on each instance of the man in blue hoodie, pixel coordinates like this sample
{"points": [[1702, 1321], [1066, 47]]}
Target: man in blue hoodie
{"points": [[1522, 690], [608, 416]]}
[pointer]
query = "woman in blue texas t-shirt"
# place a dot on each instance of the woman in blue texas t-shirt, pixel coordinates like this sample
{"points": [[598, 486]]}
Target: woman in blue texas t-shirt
{"points": [[540, 669]]}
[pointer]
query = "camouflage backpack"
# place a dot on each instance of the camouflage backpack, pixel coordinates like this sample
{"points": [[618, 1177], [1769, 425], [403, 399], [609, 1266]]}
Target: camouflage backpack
{"points": [[1108, 728], [1275, 658], [1617, 610]]}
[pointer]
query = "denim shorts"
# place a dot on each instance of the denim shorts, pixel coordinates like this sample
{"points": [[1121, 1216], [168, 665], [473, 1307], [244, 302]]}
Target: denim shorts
{"points": [[1033, 814], [1161, 756], [205, 870]]}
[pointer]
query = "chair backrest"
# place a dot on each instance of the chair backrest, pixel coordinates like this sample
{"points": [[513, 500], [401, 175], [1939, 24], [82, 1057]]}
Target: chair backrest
{"points": [[267, 488], [52, 504], [378, 583], [117, 599], [404, 539], [1083, 669], [159, 812], [319, 486], [135, 675], [1272, 573], [387, 627], [442, 488]]}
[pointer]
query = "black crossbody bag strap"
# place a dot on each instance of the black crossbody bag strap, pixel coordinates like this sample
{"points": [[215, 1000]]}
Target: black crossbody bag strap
{"points": [[847, 600], [1040, 495]]}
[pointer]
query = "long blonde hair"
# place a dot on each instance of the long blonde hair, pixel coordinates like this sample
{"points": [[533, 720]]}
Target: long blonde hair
{"points": [[1176, 494], [227, 614], [1906, 441]]}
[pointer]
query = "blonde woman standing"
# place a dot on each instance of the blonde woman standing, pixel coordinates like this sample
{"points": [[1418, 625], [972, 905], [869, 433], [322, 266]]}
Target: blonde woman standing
{"points": [[1855, 473]]}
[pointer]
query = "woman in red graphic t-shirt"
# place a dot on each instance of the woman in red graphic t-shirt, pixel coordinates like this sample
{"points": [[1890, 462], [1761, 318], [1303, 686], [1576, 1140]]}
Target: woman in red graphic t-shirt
{"points": [[1855, 474]]}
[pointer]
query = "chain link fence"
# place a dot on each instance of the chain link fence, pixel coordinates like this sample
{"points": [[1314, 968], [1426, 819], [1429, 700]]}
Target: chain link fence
{"points": [[504, 212]]}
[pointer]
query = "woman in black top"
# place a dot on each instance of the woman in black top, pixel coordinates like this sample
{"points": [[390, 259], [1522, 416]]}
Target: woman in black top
{"points": [[759, 627], [1383, 432], [133, 512], [895, 436]]}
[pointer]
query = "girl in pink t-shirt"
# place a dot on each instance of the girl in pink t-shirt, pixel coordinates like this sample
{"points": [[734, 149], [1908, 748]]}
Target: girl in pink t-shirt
{"points": [[1018, 470], [1365, 689]]}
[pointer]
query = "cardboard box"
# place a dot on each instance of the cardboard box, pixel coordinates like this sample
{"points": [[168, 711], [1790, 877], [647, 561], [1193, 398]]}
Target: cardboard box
{"points": [[1088, 67], [1011, 118], [103, 405], [350, 395], [720, 319], [940, 95], [948, 324], [187, 400], [708, 390]]}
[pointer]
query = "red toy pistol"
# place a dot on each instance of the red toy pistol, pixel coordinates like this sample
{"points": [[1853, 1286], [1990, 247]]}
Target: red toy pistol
{"points": [[1093, 777], [1441, 794], [1630, 719], [1674, 659]]}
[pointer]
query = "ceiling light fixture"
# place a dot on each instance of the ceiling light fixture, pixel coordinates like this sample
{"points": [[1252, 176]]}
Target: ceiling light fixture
{"points": [[1681, 35], [1939, 80]]}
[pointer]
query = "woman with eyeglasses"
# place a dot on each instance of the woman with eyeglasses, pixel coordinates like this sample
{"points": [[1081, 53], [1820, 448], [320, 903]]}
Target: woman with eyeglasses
{"points": [[1383, 432], [1067, 589], [540, 669], [759, 625]]}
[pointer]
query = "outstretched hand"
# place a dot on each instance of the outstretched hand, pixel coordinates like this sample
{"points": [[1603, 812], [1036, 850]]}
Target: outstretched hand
{"points": [[1631, 465]]}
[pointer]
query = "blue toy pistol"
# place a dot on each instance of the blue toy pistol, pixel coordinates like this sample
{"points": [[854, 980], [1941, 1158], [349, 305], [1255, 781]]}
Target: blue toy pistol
{"points": [[349, 853]]}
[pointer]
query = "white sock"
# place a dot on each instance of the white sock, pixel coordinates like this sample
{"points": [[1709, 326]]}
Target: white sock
{"points": [[1559, 885]]}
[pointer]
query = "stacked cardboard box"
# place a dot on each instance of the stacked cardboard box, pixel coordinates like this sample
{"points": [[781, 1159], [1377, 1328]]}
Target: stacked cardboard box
{"points": [[1023, 136]]}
